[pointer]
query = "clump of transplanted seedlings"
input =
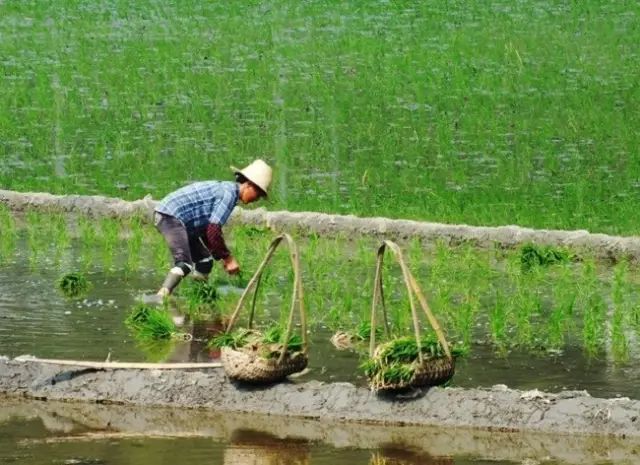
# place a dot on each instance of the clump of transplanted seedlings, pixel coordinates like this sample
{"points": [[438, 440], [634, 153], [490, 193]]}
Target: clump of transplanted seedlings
{"points": [[150, 323], [74, 284], [199, 298], [532, 255]]}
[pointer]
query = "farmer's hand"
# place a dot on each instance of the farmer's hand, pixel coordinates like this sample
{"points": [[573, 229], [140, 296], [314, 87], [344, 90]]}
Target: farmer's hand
{"points": [[231, 265]]}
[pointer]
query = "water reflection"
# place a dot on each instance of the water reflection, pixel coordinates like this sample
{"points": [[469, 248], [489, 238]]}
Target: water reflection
{"points": [[398, 455], [249, 447]]}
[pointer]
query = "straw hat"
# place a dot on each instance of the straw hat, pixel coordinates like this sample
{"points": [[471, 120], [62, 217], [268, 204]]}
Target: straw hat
{"points": [[258, 172]]}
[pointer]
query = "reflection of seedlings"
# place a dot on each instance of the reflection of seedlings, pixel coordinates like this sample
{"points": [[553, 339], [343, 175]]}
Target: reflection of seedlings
{"points": [[73, 284], [150, 323]]}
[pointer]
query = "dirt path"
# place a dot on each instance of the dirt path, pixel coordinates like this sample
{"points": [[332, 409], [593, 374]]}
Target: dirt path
{"points": [[496, 409], [601, 245]]}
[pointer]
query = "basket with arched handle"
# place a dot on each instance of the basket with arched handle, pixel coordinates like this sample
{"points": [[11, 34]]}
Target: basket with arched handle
{"points": [[426, 370], [248, 363]]}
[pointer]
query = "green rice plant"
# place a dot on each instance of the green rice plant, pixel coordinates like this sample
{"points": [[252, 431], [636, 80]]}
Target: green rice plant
{"points": [[564, 300], [594, 311], [8, 234], [59, 234], [37, 239], [394, 362], [270, 341], [108, 235], [620, 345], [533, 255], [498, 321], [73, 284], [150, 323], [88, 241], [200, 299], [134, 245]]}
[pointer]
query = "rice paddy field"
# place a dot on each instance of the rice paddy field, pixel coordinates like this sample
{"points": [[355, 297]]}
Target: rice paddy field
{"points": [[570, 322], [496, 112]]}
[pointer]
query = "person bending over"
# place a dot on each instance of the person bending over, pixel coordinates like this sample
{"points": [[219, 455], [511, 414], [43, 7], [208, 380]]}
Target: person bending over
{"points": [[191, 220]]}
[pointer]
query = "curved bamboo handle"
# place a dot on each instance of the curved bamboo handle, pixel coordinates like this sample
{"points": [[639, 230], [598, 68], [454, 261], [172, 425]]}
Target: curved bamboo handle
{"points": [[297, 296], [412, 288]]}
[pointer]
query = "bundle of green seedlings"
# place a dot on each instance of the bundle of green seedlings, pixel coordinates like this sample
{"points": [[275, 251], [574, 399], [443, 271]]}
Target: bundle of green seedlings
{"points": [[396, 361], [73, 284], [150, 323], [343, 340], [267, 344], [532, 255]]}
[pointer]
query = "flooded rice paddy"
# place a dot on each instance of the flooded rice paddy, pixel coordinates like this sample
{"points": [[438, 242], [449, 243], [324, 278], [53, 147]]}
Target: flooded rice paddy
{"points": [[38, 320]]}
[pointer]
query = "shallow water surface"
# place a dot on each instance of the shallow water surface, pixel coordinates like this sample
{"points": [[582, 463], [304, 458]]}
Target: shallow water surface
{"points": [[48, 433], [36, 319]]}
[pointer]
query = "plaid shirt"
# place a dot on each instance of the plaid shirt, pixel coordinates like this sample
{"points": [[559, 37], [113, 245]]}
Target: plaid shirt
{"points": [[201, 203]]}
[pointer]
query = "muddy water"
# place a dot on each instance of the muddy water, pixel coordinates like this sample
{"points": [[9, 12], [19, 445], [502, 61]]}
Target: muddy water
{"points": [[62, 433], [36, 319]]}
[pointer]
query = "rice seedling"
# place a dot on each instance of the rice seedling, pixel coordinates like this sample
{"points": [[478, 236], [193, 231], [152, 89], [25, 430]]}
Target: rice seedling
{"points": [[150, 323], [395, 362], [60, 235], [200, 298], [594, 311], [563, 308], [73, 284], [532, 255], [498, 317], [619, 342], [269, 342], [108, 235], [88, 241], [134, 245], [8, 234]]}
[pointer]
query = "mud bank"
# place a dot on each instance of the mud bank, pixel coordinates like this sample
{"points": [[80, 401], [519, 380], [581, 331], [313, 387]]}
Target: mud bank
{"points": [[496, 409], [602, 245], [87, 421]]}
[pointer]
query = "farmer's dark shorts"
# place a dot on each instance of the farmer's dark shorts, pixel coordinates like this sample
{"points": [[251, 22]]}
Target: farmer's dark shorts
{"points": [[186, 246]]}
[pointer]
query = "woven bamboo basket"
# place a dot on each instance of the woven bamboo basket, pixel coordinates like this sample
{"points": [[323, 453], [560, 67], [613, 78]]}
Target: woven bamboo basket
{"points": [[248, 363], [427, 371]]}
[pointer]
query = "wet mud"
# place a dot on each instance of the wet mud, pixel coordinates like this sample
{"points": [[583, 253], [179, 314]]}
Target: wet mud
{"points": [[601, 245], [498, 409]]}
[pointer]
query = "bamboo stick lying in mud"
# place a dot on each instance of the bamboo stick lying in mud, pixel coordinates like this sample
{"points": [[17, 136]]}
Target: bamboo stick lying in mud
{"points": [[123, 365]]}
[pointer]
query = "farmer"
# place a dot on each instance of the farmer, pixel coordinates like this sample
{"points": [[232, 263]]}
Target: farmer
{"points": [[191, 220]]}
